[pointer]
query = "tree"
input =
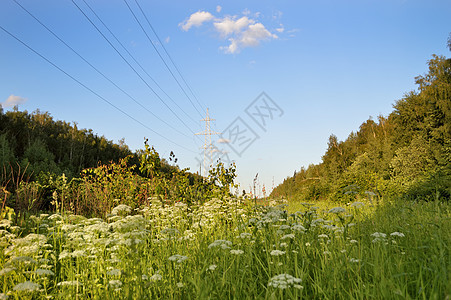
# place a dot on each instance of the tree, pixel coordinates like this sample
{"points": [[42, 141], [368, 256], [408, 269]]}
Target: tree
{"points": [[38, 159]]}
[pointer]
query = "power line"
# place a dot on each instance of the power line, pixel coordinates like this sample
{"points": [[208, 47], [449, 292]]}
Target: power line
{"points": [[170, 58], [134, 70], [161, 57], [134, 59], [92, 91], [98, 71]]}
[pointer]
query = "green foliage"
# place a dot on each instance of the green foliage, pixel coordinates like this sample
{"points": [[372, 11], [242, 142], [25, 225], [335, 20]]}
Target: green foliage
{"points": [[223, 177], [407, 154], [6, 153], [150, 163], [70, 148], [106, 186], [39, 160]]}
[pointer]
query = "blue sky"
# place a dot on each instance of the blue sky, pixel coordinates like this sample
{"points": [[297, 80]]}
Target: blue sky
{"points": [[326, 65]]}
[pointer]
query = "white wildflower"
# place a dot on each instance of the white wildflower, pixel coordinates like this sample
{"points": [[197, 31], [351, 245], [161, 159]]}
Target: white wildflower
{"points": [[78, 253], [27, 286], [44, 272], [180, 284], [298, 227], [223, 244], [323, 236], [379, 235], [6, 271], [24, 259], [156, 277], [69, 283], [337, 210], [277, 252], [115, 283], [5, 223], [55, 217], [236, 252], [212, 267], [64, 254], [283, 281], [288, 236], [354, 260], [114, 272], [400, 234], [121, 209], [178, 258], [244, 235]]}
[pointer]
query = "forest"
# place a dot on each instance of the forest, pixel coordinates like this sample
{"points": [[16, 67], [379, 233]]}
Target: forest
{"points": [[406, 154], [41, 157]]}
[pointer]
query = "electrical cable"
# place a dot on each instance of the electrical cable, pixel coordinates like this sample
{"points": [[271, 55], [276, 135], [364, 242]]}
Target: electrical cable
{"points": [[134, 59], [145, 82], [98, 71], [161, 57], [170, 58], [92, 91]]}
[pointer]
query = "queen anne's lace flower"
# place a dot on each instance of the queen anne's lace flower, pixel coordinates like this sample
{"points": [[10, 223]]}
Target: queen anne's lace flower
{"points": [[277, 252], [283, 281], [399, 234], [44, 272], [379, 235], [115, 283], [337, 210], [223, 244], [178, 258], [114, 272], [121, 209], [27, 286], [69, 283], [287, 236]]}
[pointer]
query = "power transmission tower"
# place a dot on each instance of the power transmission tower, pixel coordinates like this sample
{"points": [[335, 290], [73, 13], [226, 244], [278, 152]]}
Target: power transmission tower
{"points": [[208, 147]]}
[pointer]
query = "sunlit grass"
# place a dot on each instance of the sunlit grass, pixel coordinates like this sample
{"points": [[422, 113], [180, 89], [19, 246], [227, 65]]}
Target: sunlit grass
{"points": [[230, 249]]}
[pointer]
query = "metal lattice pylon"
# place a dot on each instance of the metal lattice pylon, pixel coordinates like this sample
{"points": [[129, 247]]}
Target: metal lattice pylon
{"points": [[208, 147]]}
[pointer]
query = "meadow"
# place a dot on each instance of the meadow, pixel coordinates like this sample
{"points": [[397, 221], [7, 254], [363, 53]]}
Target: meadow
{"points": [[232, 249]]}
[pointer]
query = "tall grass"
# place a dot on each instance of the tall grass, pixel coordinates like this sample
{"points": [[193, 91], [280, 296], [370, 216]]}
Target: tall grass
{"points": [[227, 249]]}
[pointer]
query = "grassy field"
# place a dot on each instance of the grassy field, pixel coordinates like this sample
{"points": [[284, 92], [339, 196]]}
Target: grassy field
{"points": [[230, 249]]}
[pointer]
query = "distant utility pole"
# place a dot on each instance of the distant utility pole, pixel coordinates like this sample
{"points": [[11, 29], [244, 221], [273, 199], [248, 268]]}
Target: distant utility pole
{"points": [[207, 145]]}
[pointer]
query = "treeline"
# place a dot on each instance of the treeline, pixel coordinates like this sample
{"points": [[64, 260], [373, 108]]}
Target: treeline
{"points": [[407, 154], [37, 143], [52, 165]]}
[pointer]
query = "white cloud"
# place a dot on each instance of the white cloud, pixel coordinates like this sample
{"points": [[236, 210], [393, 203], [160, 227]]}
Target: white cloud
{"points": [[13, 100], [218, 8], [229, 25], [241, 32], [196, 19], [167, 40], [251, 37]]}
